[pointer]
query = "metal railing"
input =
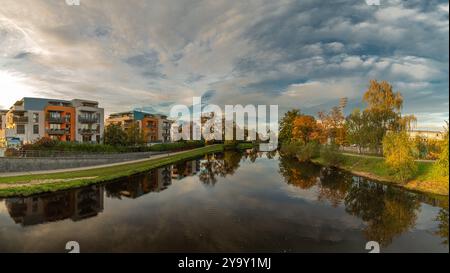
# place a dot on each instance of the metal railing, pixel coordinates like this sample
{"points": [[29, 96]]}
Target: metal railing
{"points": [[88, 119], [79, 154], [57, 131], [88, 131], [55, 119], [17, 119]]}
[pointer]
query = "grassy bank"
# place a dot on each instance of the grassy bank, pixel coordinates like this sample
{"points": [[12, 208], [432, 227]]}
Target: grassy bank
{"points": [[32, 184], [375, 168]]}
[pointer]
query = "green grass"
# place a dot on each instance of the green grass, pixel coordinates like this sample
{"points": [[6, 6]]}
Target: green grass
{"points": [[100, 174], [246, 145], [425, 180]]}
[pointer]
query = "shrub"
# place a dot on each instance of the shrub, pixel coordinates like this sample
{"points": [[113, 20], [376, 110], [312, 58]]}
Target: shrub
{"points": [[11, 152], [441, 165], [308, 151], [181, 145], [290, 149], [331, 156], [400, 154], [302, 152]]}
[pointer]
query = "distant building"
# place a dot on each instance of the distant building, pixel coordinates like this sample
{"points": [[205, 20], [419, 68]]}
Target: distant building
{"points": [[426, 134], [3, 128], [30, 119], [155, 127]]}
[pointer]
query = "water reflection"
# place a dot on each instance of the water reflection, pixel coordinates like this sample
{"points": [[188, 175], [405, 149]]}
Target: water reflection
{"points": [[385, 213], [76, 205]]}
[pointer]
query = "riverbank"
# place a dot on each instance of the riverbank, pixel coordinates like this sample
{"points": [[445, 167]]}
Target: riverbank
{"points": [[25, 185], [374, 168]]}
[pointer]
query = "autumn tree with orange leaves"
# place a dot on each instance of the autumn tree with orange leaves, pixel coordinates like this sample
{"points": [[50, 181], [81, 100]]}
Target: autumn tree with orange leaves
{"points": [[306, 129]]}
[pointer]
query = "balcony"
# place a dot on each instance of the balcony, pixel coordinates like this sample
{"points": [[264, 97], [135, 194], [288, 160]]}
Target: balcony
{"points": [[166, 126], [88, 131], [20, 119], [57, 120], [88, 119], [56, 131]]}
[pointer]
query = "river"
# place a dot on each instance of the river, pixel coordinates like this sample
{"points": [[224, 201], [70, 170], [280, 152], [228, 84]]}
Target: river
{"points": [[228, 202]]}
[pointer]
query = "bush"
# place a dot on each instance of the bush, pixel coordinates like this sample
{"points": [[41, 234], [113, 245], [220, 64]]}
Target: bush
{"points": [[400, 154], [308, 151], [441, 165], [11, 152], [331, 156], [302, 152], [181, 145]]}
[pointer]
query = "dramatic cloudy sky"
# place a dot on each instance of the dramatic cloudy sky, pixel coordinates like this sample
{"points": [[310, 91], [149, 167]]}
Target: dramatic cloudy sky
{"points": [[152, 54]]}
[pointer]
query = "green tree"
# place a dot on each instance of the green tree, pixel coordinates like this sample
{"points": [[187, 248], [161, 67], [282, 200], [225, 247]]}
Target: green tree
{"points": [[400, 154], [286, 125], [383, 111], [114, 135], [358, 129], [135, 136], [441, 165]]}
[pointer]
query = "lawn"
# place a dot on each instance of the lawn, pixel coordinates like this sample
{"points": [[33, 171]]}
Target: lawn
{"points": [[374, 167], [31, 184]]}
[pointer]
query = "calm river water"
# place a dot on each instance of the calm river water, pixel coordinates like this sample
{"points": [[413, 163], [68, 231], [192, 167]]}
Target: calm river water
{"points": [[229, 202]]}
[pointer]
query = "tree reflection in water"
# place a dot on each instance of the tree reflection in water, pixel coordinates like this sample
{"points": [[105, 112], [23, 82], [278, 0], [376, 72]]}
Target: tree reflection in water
{"points": [[218, 165], [387, 211]]}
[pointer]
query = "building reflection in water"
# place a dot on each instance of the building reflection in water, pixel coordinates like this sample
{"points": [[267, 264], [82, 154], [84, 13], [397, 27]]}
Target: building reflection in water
{"points": [[76, 204]]}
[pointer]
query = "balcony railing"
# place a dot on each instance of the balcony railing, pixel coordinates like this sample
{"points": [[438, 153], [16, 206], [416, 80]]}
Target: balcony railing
{"points": [[88, 119], [88, 131], [55, 119], [19, 119], [56, 131]]}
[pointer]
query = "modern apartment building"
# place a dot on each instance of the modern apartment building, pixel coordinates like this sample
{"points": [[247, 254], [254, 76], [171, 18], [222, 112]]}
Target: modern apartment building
{"points": [[2, 128], [30, 119], [90, 121], [155, 127]]}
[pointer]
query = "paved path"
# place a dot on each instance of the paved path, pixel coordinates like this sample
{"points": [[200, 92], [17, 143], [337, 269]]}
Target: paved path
{"points": [[96, 166], [374, 156]]}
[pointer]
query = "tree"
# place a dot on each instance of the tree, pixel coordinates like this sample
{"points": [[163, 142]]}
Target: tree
{"points": [[357, 129], [383, 110], [441, 165], [286, 125], [400, 154], [114, 135], [333, 125], [306, 129], [135, 136]]}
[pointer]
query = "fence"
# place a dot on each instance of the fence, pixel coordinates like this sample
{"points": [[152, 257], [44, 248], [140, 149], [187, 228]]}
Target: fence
{"points": [[39, 163]]}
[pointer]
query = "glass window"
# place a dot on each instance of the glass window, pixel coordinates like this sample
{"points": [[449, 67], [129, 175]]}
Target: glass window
{"points": [[20, 129], [36, 129], [36, 117]]}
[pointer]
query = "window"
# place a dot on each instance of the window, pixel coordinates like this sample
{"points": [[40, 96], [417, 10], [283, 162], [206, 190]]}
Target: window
{"points": [[36, 117], [36, 129], [87, 139], [20, 129], [55, 126], [55, 115]]}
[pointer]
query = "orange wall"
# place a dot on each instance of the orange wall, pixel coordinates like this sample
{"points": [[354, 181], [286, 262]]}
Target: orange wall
{"points": [[64, 111], [150, 133]]}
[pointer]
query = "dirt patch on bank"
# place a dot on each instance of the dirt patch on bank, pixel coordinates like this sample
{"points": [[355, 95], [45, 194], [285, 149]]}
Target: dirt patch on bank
{"points": [[43, 181]]}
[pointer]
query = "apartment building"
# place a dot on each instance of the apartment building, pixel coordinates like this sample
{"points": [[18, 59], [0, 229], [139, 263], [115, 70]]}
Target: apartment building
{"points": [[30, 119], [90, 121], [155, 127]]}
